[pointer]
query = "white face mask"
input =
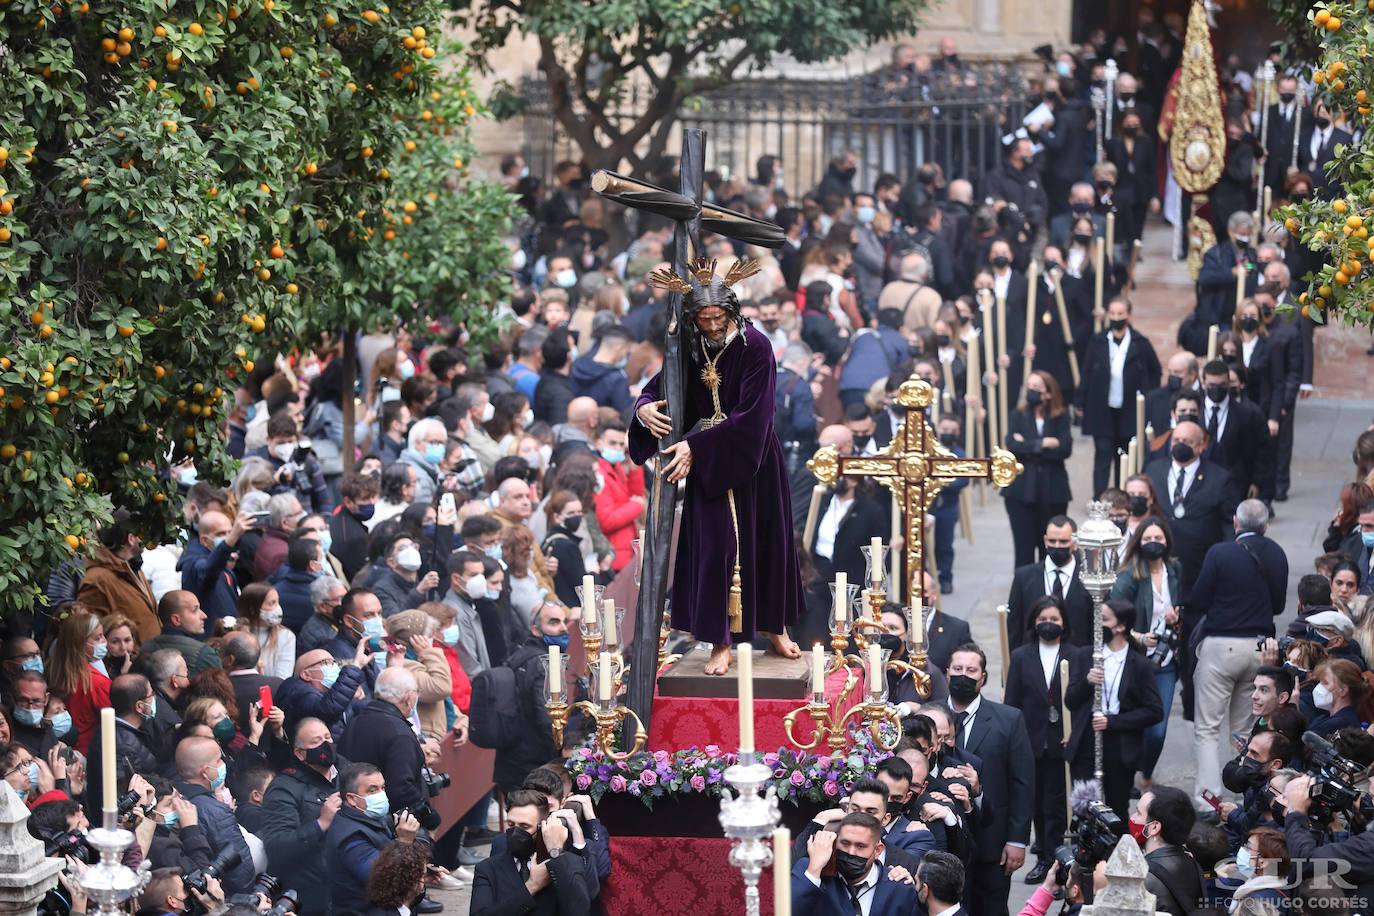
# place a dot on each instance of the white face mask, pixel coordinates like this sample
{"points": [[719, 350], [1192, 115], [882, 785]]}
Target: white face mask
{"points": [[488, 412], [546, 454], [271, 618], [519, 259], [408, 559], [566, 278], [476, 587], [1322, 697], [284, 451], [528, 419]]}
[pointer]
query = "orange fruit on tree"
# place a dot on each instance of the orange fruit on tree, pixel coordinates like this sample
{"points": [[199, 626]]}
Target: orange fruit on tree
{"points": [[1333, 24], [264, 274], [1321, 17], [427, 53], [286, 53], [107, 44], [1338, 85], [161, 244], [8, 451], [124, 49], [126, 331], [371, 16], [73, 541], [159, 31], [367, 152], [311, 168], [1339, 206], [126, 34], [196, 28], [1342, 279], [277, 251], [292, 289], [330, 20], [4, 234]]}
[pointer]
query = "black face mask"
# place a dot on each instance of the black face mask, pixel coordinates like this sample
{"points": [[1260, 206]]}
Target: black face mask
{"points": [[1217, 393], [1082, 238], [519, 843], [1130, 131], [1104, 186], [1249, 325], [1059, 556], [136, 561], [1082, 209], [1154, 550], [1186, 418], [851, 867], [1118, 324], [1033, 398], [941, 340], [861, 442], [1107, 634], [1127, 98], [1048, 630], [572, 522], [114, 662], [1139, 505], [1241, 774], [1000, 262], [949, 440], [1182, 452], [1121, 524], [1322, 122], [321, 756], [962, 688], [1175, 382], [1051, 96], [892, 643], [1286, 98]]}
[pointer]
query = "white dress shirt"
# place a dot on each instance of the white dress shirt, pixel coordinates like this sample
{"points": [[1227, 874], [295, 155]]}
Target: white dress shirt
{"points": [[867, 888], [1113, 667], [1189, 472], [1319, 138], [1065, 571], [1049, 663], [830, 525], [1116, 391], [1221, 410], [972, 711], [1000, 283], [1247, 349]]}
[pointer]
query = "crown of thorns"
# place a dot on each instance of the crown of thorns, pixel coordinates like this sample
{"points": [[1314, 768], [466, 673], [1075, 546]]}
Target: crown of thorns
{"points": [[702, 284]]}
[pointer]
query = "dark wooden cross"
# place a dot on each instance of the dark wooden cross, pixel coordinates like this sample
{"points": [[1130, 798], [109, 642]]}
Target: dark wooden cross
{"points": [[691, 216]]}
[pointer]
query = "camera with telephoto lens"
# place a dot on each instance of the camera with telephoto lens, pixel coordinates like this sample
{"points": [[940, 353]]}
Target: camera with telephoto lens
{"points": [[70, 843], [127, 802], [1166, 641], [1098, 828], [436, 782], [198, 880], [1333, 784], [425, 814], [286, 903], [265, 884]]}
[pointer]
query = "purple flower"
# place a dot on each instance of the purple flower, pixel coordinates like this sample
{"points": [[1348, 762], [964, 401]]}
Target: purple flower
{"points": [[770, 760], [634, 789], [832, 789], [661, 756], [779, 773], [712, 750], [603, 772], [798, 778], [823, 761], [617, 783], [584, 782], [648, 778], [698, 784], [714, 777]]}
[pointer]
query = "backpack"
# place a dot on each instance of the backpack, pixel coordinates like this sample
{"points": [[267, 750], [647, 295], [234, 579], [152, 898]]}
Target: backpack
{"points": [[494, 715]]}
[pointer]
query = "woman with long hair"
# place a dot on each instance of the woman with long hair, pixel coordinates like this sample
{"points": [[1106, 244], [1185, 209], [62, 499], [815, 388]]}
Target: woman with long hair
{"points": [[76, 668], [511, 411], [526, 594], [260, 613], [1131, 702], [563, 542], [1141, 501], [1040, 435], [1257, 355], [1345, 585], [446, 637], [255, 473], [1342, 696], [1343, 534], [577, 472], [1149, 582]]}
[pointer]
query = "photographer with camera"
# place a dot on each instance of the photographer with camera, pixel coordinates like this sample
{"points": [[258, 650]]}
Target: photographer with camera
{"points": [[134, 702], [530, 879], [201, 772], [1248, 776], [1313, 800], [294, 466], [178, 840], [1161, 822], [298, 810], [361, 828], [167, 893], [384, 734]]}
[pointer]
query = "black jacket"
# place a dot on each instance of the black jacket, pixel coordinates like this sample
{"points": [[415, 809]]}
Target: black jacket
{"points": [[352, 844], [134, 753], [1022, 187], [348, 543], [185, 848], [1067, 142], [498, 890], [552, 395], [1175, 880], [1241, 587], [1326, 186], [1045, 479], [381, 736], [294, 841], [1140, 707], [1263, 382], [1208, 509], [998, 736], [1028, 587], [867, 518], [1358, 850], [1141, 373], [1242, 443], [246, 688], [944, 634], [536, 748], [1027, 691], [1216, 285]]}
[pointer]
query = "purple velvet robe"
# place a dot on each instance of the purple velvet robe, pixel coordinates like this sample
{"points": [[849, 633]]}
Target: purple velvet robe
{"points": [[742, 453]]}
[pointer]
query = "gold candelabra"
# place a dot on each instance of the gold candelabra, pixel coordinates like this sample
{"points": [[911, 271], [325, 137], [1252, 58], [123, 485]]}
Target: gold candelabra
{"points": [[876, 710], [608, 716], [822, 715]]}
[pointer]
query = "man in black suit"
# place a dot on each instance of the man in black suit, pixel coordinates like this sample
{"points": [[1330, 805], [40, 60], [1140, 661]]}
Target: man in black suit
{"points": [[1006, 781], [1221, 264], [1065, 140], [1195, 495], [1279, 142], [1317, 149], [1237, 432], [1292, 339], [867, 796], [1182, 372], [238, 654], [1237, 595], [850, 515], [1119, 363], [1057, 575], [860, 885], [1009, 286], [515, 882], [1081, 200]]}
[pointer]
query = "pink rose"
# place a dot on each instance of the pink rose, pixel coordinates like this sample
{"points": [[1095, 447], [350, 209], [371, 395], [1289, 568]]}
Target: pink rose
{"points": [[584, 782], [712, 750], [798, 777], [661, 756], [617, 783], [823, 761], [832, 789], [648, 778], [698, 783]]}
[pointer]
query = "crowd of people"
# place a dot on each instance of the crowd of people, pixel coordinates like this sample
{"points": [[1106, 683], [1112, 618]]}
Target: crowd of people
{"points": [[290, 675]]}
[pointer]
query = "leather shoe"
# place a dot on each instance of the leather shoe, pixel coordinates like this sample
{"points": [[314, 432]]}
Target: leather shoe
{"points": [[946, 588], [426, 905], [478, 836], [1038, 873]]}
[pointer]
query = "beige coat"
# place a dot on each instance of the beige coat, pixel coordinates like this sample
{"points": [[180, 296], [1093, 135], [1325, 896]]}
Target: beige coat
{"points": [[435, 685]]}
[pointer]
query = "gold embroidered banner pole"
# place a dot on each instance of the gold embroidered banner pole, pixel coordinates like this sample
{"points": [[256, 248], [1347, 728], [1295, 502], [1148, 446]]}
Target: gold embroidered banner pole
{"points": [[1197, 140]]}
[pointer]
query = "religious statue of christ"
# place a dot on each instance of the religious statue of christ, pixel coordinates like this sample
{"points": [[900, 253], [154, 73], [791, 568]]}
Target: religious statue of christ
{"points": [[736, 572]]}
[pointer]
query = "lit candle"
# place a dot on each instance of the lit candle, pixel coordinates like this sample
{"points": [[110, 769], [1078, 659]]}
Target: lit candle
{"points": [[841, 597], [918, 626], [555, 672], [875, 549], [608, 627], [107, 757], [782, 872], [746, 699], [603, 678], [817, 669], [875, 667]]}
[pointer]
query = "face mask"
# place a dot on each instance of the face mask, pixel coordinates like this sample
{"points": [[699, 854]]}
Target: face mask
{"points": [[1104, 186], [1001, 262], [572, 522], [1243, 864], [866, 214], [949, 440], [1242, 240], [326, 542], [1186, 417], [224, 732], [566, 278], [33, 773], [1286, 98], [1175, 382], [1249, 325], [1217, 393], [1130, 131], [613, 455], [364, 513], [488, 412], [1322, 121], [1322, 698], [32, 664], [271, 618], [284, 451], [962, 688], [1137, 832], [494, 551], [321, 756], [1139, 505], [408, 559], [1049, 631], [518, 260], [171, 819], [1108, 634], [61, 723], [561, 640], [407, 369], [851, 867], [434, 453], [1063, 68], [476, 587], [519, 843], [450, 635], [1182, 452], [378, 805], [329, 674], [30, 717], [891, 643], [152, 707], [1153, 550], [101, 650], [1118, 324], [942, 340], [1082, 238], [1059, 556], [545, 454], [1239, 775], [1033, 397], [492, 594], [372, 628], [188, 477], [222, 773], [1316, 636], [1367, 538]]}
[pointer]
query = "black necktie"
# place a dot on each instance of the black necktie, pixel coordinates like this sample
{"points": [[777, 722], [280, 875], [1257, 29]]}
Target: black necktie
{"points": [[1058, 585], [524, 869], [960, 718], [854, 895], [1178, 487]]}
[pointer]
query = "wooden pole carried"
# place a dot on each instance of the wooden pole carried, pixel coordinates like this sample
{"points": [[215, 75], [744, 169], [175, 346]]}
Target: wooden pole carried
{"points": [[1003, 372], [1139, 432], [1211, 343], [1033, 291], [1135, 259], [1067, 719], [1099, 315], [1064, 326], [1003, 615], [808, 533]]}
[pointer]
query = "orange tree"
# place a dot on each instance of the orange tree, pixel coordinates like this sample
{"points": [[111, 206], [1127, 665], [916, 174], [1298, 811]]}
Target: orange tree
{"points": [[1343, 288], [187, 186]]}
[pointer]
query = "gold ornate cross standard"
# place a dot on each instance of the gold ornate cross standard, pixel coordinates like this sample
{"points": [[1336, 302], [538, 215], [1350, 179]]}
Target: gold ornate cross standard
{"points": [[915, 467]]}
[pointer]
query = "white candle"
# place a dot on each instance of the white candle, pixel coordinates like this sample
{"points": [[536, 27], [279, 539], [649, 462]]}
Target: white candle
{"points": [[603, 678], [589, 600], [107, 757], [841, 597], [817, 669], [608, 627], [875, 667], [918, 626], [875, 548], [782, 872], [555, 672], [746, 699]]}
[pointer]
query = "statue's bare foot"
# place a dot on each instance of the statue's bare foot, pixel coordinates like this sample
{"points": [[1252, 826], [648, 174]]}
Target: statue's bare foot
{"points": [[719, 662], [783, 645]]}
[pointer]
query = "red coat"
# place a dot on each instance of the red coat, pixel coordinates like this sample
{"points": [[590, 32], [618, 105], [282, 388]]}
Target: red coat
{"points": [[85, 706], [462, 687], [617, 515]]}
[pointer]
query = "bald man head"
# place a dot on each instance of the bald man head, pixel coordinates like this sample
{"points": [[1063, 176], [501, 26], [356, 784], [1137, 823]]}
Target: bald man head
{"points": [[515, 498], [198, 761], [582, 415], [213, 528], [840, 437]]}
